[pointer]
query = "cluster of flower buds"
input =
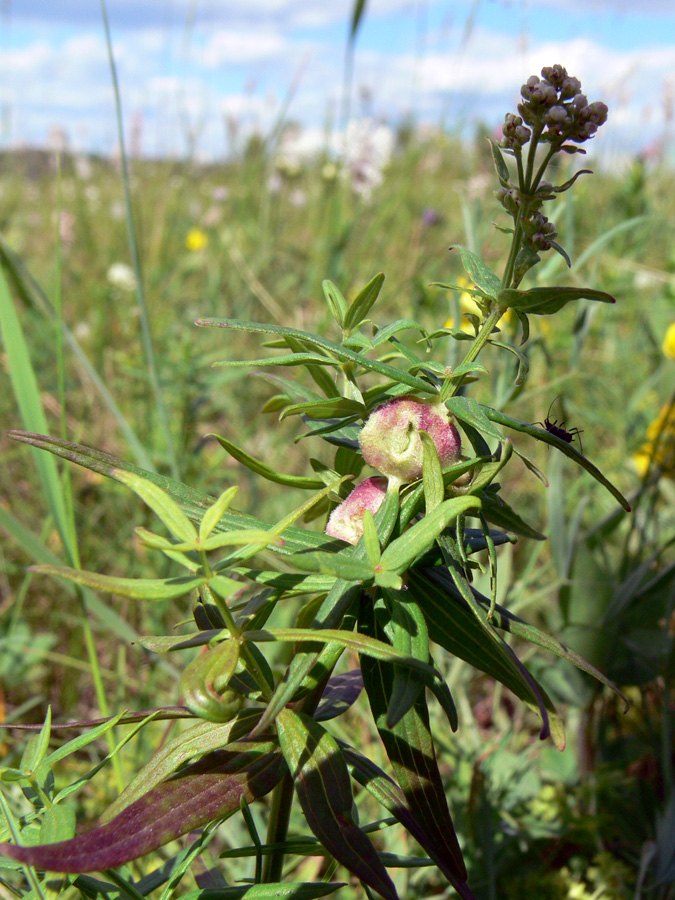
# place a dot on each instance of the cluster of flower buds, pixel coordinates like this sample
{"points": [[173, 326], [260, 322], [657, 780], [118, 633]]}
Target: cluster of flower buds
{"points": [[515, 133], [554, 107], [538, 232]]}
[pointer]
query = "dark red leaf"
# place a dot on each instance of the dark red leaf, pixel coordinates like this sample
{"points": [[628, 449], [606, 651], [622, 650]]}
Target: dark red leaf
{"points": [[209, 789]]}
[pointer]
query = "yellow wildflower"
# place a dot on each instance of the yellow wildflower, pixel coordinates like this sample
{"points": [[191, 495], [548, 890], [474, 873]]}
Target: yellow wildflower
{"points": [[196, 240], [467, 304], [668, 345], [659, 448]]}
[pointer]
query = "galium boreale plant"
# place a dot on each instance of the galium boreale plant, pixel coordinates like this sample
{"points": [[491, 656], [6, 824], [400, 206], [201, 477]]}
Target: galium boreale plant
{"points": [[389, 580]]}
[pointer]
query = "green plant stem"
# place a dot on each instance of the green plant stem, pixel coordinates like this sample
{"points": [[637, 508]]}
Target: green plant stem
{"points": [[277, 829], [126, 889], [507, 280], [452, 385], [29, 871]]}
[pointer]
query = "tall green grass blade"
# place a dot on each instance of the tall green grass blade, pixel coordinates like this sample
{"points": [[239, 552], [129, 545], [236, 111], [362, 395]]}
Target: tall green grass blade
{"points": [[146, 332], [27, 393], [33, 295]]}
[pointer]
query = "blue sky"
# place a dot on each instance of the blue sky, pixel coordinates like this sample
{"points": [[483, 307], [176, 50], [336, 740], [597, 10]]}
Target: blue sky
{"points": [[188, 68]]}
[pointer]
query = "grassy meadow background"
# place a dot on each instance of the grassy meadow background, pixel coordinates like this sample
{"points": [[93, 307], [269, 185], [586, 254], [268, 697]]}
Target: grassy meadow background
{"points": [[253, 237]]}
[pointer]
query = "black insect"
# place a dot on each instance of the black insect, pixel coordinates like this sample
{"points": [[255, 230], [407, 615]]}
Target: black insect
{"points": [[553, 426]]}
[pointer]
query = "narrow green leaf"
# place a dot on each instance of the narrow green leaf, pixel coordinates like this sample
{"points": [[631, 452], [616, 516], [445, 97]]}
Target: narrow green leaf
{"points": [[411, 638], [159, 542], [363, 302], [432, 474], [500, 163], [38, 745], [332, 407], [340, 352], [164, 643], [388, 332], [361, 643], [545, 301], [568, 449], [27, 393], [402, 552], [230, 539], [370, 539], [280, 890], [161, 504], [324, 790], [468, 410], [505, 620], [523, 361], [133, 588], [455, 625], [357, 14], [82, 740], [283, 359], [338, 564], [216, 511], [478, 272], [336, 302]]}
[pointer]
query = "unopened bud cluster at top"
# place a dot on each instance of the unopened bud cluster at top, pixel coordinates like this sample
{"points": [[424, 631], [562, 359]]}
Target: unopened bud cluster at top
{"points": [[553, 107], [553, 111]]}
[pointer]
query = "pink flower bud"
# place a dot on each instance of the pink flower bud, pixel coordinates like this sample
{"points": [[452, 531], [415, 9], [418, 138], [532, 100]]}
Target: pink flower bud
{"points": [[346, 520], [390, 439]]}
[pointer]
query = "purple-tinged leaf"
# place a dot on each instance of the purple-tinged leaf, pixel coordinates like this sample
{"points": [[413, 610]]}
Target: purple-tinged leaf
{"points": [[387, 792], [187, 747], [208, 790], [455, 625], [410, 750], [341, 692], [324, 790]]}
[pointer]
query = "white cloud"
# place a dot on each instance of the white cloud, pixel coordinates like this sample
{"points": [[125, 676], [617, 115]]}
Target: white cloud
{"points": [[228, 47]]}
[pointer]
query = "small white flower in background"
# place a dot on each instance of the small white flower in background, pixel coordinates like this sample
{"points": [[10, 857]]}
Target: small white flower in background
{"points": [[83, 167], [220, 193], [275, 183], [298, 198], [117, 210], [368, 150], [82, 331], [121, 276]]}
